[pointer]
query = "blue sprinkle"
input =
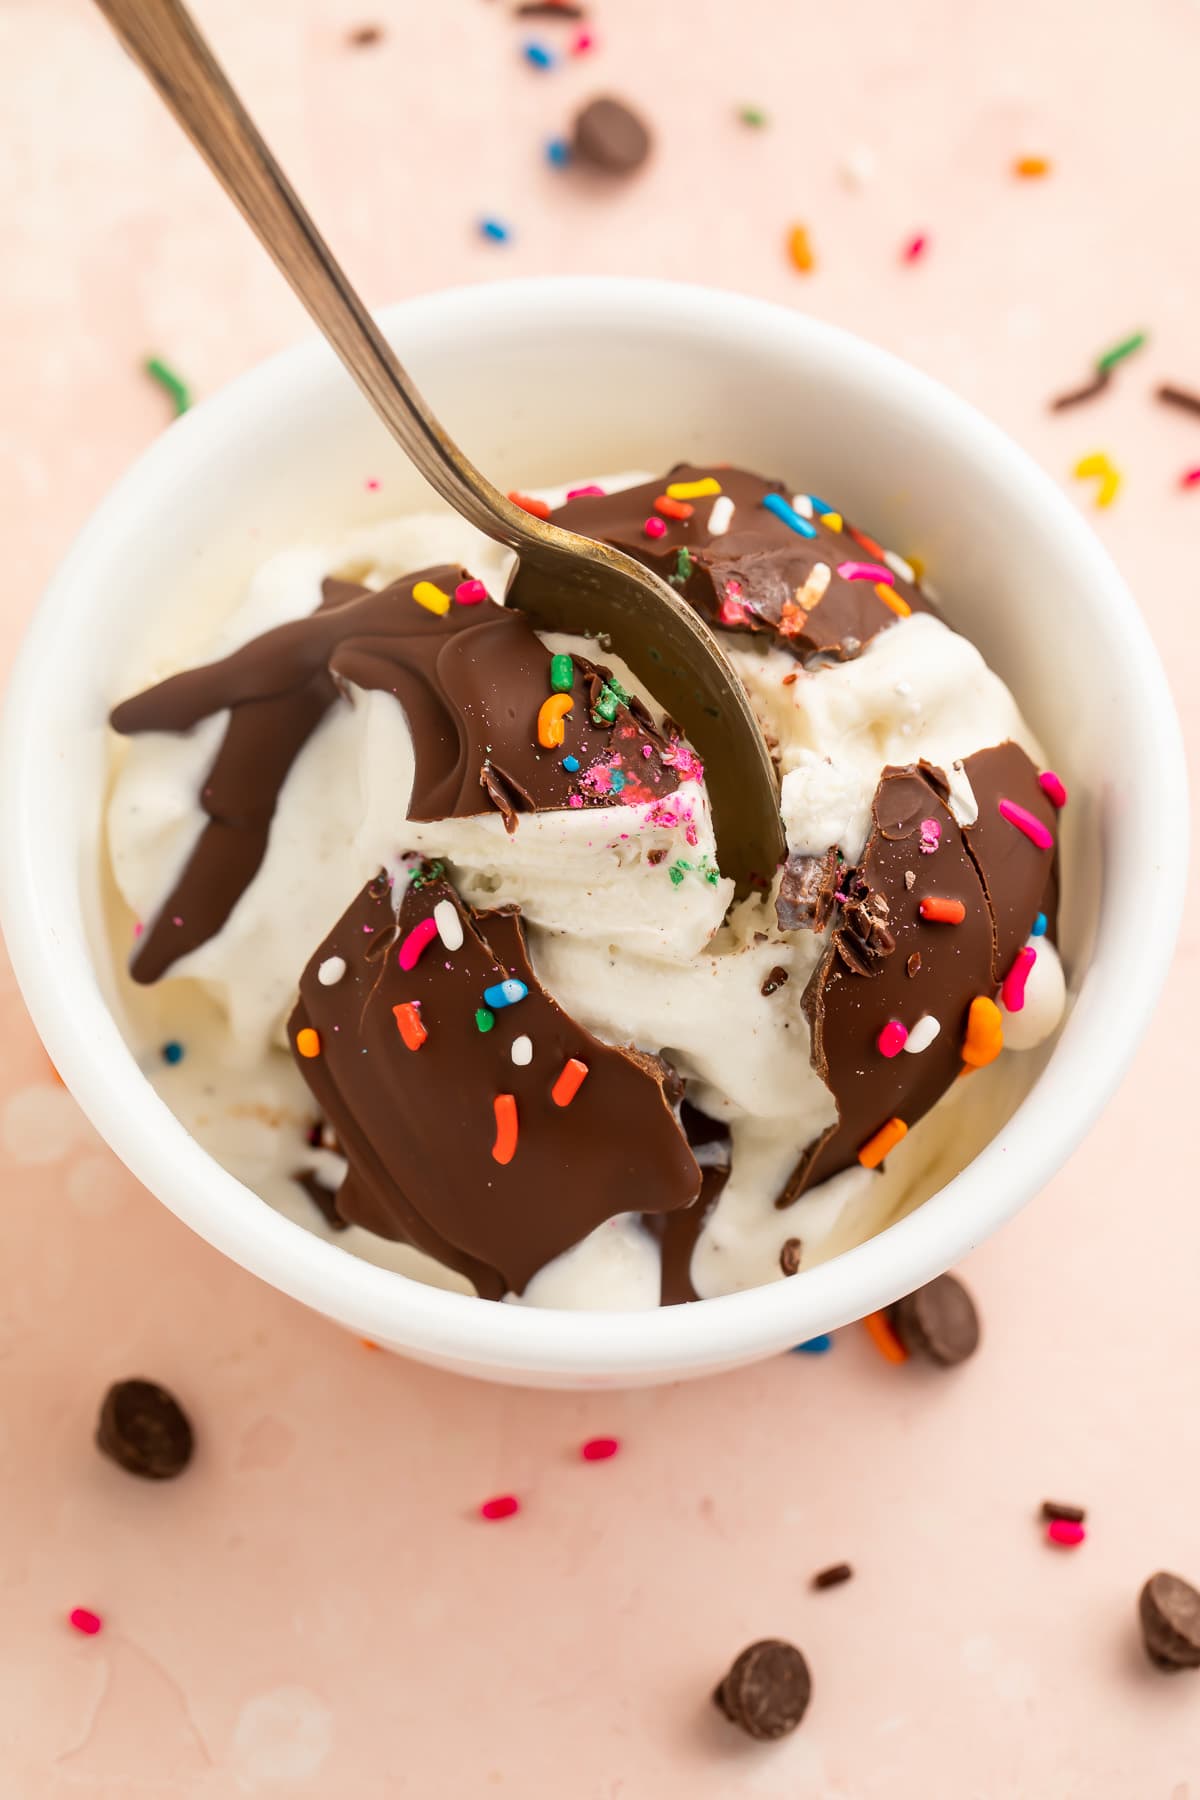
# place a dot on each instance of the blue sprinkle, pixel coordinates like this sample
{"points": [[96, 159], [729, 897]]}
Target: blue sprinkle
{"points": [[570, 764], [776, 504], [814, 1346], [494, 231], [505, 993], [821, 506], [1039, 926], [558, 153], [616, 781], [172, 1052], [538, 56]]}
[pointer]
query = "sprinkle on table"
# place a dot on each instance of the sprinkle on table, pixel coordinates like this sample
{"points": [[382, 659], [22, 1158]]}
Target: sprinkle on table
{"points": [[753, 116], [308, 1042], [558, 153], [495, 231], [503, 1506], [172, 1052], [408, 1020], [599, 1449], [537, 55], [571, 1078], [1190, 478], [800, 250], [1099, 466], [1108, 359], [582, 42], [915, 247], [1096, 384], [1177, 396], [1060, 1509], [880, 1332], [1025, 822], [1032, 168], [81, 1618], [172, 384], [833, 1576], [814, 1346], [505, 1147], [1066, 1533], [984, 1038], [882, 1144], [939, 910]]}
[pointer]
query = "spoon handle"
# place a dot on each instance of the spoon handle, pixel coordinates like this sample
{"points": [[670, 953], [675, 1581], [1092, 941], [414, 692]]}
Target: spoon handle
{"points": [[165, 42]]}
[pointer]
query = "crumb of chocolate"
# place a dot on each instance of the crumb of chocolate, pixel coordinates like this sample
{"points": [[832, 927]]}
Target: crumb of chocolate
{"points": [[1169, 1611], [789, 1256], [913, 963], [910, 880], [938, 1322], [363, 36], [767, 1691], [144, 1430], [774, 981], [807, 890], [1059, 1509], [654, 857], [833, 1576]]}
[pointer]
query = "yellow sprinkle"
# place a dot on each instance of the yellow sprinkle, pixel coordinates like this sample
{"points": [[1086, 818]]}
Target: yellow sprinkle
{"points": [[917, 565], [833, 520], [308, 1042], [985, 1033], [800, 250], [1099, 465], [431, 598], [693, 490], [890, 597]]}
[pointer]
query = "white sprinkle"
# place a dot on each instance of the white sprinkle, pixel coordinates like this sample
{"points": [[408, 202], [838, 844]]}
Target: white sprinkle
{"points": [[802, 504], [445, 917], [719, 517], [963, 803], [898, 566], [331, 971], [858, 166], [903, 688], [522, 1051], [922, 1035], [819, 577]]}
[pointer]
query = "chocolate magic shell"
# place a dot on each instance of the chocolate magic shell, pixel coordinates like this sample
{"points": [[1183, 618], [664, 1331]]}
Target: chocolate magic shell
{"points": [[473, 679], [479, 1122], [751, 557]]}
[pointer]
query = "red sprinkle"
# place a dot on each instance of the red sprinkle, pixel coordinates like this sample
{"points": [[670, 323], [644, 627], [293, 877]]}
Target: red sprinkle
{"points": [[372, 484], [1053, 788], [1025, 821], [408, 1019], [1190, 478], [892, 1038], [505, 1146], [866, 543], [586, 493], [915, 247], [582, 42], [470, 593], [673, 509], [942, 912], [1013, 991], [502, 1507], [539, 508], [572, 1078], [655, 528], [600, 1449], [87, 1622], [1066, 1532]]}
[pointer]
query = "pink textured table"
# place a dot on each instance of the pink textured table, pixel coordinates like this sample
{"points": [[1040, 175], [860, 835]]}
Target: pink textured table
{"points": [[314, 1610]]}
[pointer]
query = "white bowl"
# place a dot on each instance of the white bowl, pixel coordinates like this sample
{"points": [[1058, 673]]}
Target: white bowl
{"points": [[542, 380]]}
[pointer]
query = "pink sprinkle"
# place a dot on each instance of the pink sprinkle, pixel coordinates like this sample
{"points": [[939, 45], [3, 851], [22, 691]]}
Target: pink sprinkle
{"points": [[1190, 478], [415, 943], [931, 836], [855, 571], [1067, 1532], [502, 1507], [575, 800], [1012, 993], [915, 247], [655, 527], [138, 928], [177, 920], [585, 493], [600, 1449], [470, 593], [83, 1620], [372, 484], [582, 42], [684, 761], [1053, 788], [1024, 821], [892, 1038]]}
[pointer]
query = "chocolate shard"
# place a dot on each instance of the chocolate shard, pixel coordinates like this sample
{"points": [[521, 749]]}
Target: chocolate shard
{"points": [[420, 1128], [757, 574], [806, 891], [471, 681], [917, 966]]}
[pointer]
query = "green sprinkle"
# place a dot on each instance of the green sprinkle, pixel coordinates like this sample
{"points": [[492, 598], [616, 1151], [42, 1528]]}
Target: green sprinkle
{"points": [[753, 115], [712, 876], [484, 1019], [606, 705], [683, 566], [562, 674], [677, 871], [424, 873], [168, 380], [1119, 352]]}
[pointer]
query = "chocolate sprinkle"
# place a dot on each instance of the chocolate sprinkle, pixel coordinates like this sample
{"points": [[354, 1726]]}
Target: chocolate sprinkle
{"points": [[1169, 1610], [767, 1691], [776, 978], [833, 1576], [789, 1256], [1095, 385], [144, 1430], [1177, 396], [363, 36], [609, 135], [1057, 1509], [938, 1322]]}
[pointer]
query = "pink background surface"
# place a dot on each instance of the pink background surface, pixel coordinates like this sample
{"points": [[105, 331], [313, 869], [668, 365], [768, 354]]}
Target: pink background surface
{"points": [[313, 1610]]}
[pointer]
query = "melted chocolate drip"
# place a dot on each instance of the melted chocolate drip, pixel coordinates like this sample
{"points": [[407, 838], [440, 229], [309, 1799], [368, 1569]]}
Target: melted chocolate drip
{"points": [[417, 1127], [1003, 881], [743, 579], [471, 682]]}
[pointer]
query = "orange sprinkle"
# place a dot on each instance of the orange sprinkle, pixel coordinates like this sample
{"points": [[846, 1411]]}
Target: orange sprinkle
{"points": [[368, 1343], [882, 1144], [800, 250], [789, 679], [673, 509], [985, 1033], [505, 1146], [890, 597], [539, 508], [572, 1078], [879, 1330], [551, 713], [867, 543], [408, 1018], [1030, 168], [942, 912], [308, 1042]]}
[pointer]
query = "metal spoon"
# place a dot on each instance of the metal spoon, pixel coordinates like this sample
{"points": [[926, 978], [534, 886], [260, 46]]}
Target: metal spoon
{"points": [[564, 582]]}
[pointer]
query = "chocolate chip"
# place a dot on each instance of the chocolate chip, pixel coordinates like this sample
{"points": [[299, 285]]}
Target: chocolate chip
{"points": [[789, 1256], [1058, 1509], [939, 1321], [767, 1690], [1169, 1609], [609, 136], [363, 36], [833, 1576], [775, 980], [145, 1430]]}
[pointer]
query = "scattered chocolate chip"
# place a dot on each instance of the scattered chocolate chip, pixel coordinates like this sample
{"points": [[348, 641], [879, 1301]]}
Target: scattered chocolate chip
{"points": [[363, 36], [833, 1576], [914, 963], [1057, 1509], [323, 1198], [939, 1321], [609, 136], [775, 980], [789, 1256], [767, 1690], [1169, 1609], [145, 1430]]}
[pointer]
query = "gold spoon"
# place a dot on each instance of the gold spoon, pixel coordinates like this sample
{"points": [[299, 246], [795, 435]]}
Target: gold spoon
{"points": [[564, 582]]}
